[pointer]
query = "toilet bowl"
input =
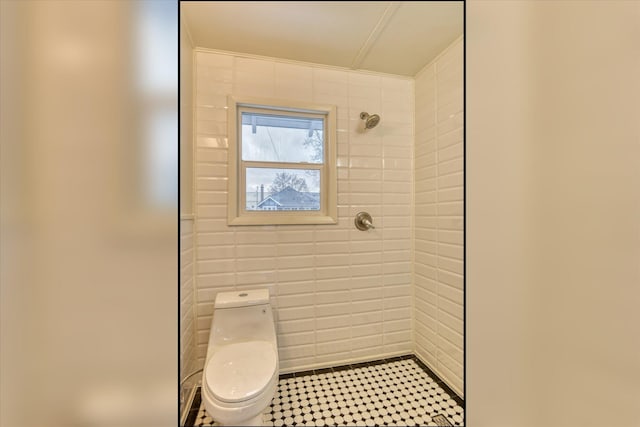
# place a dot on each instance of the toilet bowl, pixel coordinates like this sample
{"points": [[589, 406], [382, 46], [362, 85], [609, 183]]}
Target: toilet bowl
{"points": [[240, 376]]}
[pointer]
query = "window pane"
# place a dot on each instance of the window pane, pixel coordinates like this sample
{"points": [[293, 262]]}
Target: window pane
{"points": [[273, 138], [283, 189], [156, 82], [157, 50], [160, 166]]}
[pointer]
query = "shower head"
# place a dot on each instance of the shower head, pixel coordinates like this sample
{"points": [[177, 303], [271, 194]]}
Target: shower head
{"points": [[370, 121]]}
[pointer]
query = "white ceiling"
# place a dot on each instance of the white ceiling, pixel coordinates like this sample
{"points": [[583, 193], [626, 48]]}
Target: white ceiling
{"points": [[389, 37]]}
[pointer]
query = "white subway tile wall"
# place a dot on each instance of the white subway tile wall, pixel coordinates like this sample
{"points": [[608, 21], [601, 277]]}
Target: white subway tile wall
{"points": [[187, 316], [438, 239], [186, 122], [341, 295]]}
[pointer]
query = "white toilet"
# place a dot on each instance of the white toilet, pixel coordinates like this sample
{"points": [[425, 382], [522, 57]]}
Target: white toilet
{"points": [[241, 369]]}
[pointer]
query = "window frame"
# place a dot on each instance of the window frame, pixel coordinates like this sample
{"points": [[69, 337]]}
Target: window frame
{"points": [[237, 213]]}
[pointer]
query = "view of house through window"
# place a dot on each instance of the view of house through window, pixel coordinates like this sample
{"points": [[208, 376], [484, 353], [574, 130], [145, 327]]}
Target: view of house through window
{"points": [[283, 189]]}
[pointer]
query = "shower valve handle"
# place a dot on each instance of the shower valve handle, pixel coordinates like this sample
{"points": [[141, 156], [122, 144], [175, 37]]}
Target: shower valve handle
{"points": [[363, 221]]}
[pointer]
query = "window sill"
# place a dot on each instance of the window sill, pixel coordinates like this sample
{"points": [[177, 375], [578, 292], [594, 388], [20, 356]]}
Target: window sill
{"points": [[283, 220]]}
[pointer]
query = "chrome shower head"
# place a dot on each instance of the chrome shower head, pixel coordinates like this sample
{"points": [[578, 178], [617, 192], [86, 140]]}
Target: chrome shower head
{"points": [[370, 121]]}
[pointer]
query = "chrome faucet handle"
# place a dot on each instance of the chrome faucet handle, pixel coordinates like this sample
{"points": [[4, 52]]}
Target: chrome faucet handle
{"points": [[363, 221]]}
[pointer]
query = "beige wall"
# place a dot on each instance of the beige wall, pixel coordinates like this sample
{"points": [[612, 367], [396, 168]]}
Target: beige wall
{"points": [[438, 237], [553, 209], [341, 294], [91, 319]]}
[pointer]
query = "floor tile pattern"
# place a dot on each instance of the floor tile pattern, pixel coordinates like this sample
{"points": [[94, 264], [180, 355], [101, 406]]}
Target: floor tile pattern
{"points": [[399, 391]]}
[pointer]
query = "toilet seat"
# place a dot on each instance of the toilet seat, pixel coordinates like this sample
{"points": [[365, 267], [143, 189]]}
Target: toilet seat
{"points": [[239, 372]]}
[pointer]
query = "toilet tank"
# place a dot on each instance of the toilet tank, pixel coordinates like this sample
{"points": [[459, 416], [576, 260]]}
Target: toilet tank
{"points": [[242, 298], [241, 316]]}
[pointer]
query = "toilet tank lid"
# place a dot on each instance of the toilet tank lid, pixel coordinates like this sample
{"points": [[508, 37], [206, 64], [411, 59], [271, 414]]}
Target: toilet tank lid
{"points": [[242, 298]]}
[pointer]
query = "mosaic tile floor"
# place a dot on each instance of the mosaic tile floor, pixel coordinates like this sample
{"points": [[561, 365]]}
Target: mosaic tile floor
{"points": [[399, 391]]}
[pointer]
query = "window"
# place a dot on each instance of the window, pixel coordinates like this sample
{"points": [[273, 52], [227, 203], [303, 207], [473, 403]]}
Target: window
{"points": [[282, 163], [156, 86]]}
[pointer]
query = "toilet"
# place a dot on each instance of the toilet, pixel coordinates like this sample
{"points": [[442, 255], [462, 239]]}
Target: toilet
{"points": [[241, 369]]}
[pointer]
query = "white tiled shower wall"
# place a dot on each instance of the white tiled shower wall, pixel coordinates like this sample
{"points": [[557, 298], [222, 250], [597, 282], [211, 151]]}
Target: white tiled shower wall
{"points": [[438, 237], [341, 295], [187, 318], [187, 284]]}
